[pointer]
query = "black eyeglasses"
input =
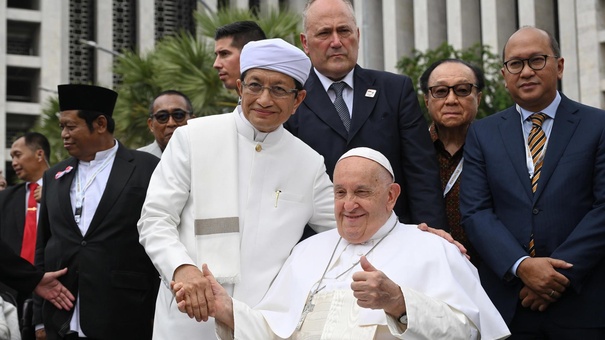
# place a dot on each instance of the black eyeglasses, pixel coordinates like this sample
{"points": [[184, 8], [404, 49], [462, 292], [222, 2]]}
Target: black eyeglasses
{"points": [[442, 91], [275, 91], [536, 63], [163, 117]]}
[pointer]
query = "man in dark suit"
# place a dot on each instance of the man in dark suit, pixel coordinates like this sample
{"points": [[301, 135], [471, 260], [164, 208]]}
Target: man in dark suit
{"points": [[30, 154], [385, 112], [533, 199], [18, 211], [90, 206]]}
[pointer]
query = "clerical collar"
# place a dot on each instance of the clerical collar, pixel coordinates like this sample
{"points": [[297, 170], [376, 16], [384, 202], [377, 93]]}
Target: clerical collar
{"points": [[100, 156]]}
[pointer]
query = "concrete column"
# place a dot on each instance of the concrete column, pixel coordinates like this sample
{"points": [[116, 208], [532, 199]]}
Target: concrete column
{"points": [[104, 38], [145, 27], [463, 23], [266, 6], [538, 13], [590, 60], [51, 35], [497, 23], [240, 4], [570, 84], [398, 37], [371, 48], [296, 6], [430, 28]]}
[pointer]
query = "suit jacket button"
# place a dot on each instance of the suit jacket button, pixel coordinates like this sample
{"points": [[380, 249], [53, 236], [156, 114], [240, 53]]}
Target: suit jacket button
{"points": [[535, 211], [83, 243]]}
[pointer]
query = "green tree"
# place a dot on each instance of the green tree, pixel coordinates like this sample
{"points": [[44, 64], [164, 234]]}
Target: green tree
{"points": [[495, 96]]}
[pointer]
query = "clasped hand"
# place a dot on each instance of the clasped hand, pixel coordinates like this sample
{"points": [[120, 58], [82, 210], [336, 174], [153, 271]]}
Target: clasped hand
{"points": [[543, 285], [193, 292]]}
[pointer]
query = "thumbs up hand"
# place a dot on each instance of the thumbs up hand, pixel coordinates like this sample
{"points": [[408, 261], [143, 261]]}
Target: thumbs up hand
{"points": [[373, 289]]}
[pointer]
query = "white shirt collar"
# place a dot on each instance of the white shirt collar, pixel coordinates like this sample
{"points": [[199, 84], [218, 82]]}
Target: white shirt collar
{"points": [[100, 156], [327, 82], [550, 110]]}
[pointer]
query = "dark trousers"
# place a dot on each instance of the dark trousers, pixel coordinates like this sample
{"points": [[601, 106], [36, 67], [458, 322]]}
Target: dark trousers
{"points": [[530, 325]]}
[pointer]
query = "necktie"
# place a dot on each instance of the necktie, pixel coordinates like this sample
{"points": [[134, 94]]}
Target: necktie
{"points": [[341, 106], [536, 142], [28, 247]]}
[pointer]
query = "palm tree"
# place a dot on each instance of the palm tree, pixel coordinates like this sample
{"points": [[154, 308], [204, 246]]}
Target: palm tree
{"points": [[181, 62], [184, 63]]}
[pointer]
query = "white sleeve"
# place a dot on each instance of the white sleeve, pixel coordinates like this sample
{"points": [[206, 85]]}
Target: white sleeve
{"points": [[249, 324], [167, 195], [323, 202], [429, 318]]}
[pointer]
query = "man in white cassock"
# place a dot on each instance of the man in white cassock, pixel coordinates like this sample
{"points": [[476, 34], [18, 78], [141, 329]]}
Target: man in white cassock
{"points": [[372, 278], [234, 191]]}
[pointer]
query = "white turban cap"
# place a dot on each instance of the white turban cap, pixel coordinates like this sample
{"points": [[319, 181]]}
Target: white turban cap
{"points": [[276, 55], [370, 154]]}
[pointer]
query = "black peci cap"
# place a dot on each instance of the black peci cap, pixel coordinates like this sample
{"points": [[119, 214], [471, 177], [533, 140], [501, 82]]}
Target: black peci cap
{"points": [[87, 97]]}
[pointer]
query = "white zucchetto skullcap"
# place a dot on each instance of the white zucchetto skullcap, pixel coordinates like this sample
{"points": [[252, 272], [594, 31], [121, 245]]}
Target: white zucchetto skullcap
{"points": [[276, 55], [370, 154]]}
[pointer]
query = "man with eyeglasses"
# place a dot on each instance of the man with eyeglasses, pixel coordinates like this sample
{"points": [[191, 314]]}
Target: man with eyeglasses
{"points": [[234, 191], [168, 110], [452, 94], [532, 199]]}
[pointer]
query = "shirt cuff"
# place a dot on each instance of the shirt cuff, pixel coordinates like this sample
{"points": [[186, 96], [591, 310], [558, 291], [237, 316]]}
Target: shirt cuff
{"points": [[513, 269]]}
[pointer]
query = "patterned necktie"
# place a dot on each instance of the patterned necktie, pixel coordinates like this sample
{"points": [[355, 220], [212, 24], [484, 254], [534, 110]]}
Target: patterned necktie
{"points": [[341, 106], [536, 142], [28, 247]]}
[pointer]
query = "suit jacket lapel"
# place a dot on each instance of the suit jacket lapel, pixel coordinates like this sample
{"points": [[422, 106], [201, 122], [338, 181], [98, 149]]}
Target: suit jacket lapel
{"points": [[565, 124], [64, 187], [18, 204], [318, 102], [363, 102], [118, 178], [514, 143]]}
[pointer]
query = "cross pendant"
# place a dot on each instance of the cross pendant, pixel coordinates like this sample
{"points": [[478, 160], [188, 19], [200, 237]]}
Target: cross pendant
{"points": [[306, 310]]}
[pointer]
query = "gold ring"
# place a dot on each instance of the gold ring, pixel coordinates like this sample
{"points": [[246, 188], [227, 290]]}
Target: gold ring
{"points": [[552, 293]]}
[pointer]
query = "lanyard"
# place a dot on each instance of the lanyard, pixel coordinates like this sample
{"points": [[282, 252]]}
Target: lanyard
{"points": [[530, 161], [454, 177], [81, 191]]}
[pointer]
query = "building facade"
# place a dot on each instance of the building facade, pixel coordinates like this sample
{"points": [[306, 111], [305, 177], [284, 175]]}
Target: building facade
{"points": [[50, 42]]}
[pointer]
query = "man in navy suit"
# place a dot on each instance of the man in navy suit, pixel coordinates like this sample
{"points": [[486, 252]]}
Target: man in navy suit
{"points": [[533, 199], [90, 206], [382, 109]]}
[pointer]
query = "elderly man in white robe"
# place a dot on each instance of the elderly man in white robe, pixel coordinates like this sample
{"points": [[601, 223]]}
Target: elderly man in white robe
{"points": [[372, 278], [234, 191]]}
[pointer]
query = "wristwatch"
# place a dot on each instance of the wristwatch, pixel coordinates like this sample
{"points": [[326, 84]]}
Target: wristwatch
{"points": [[403, 319]]}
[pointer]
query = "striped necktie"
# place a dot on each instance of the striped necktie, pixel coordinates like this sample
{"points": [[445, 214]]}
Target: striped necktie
{"points": [[536, 142]]}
